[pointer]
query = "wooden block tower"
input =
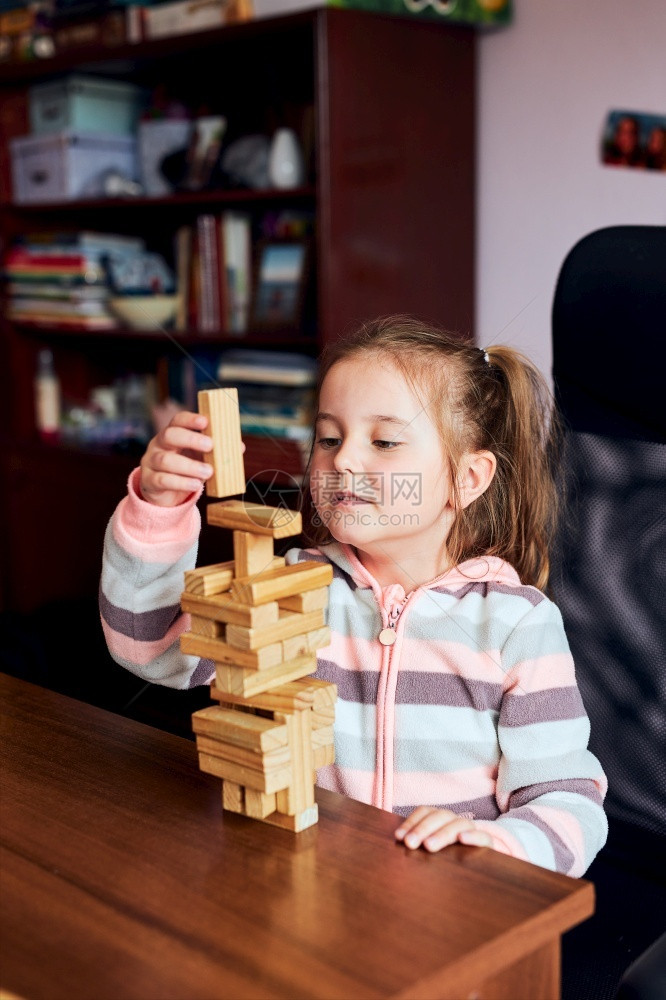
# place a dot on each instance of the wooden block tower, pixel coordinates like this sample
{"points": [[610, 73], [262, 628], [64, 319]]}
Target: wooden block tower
{"points": [[261, 622]]}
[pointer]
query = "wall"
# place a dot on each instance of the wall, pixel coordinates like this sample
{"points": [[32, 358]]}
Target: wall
{"points": [[545, 86]]}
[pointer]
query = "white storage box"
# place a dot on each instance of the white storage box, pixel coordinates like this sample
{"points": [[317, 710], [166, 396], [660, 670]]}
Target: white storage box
{"points": [[84, 104], [68, 165]]}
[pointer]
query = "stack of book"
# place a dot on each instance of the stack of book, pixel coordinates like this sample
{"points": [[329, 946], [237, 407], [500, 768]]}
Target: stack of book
{"points": [[66, 280], [60, 280], [276, 391]]}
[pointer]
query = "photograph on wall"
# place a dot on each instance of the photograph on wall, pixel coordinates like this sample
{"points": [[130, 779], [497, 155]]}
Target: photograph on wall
{"points": [[634, 139]]}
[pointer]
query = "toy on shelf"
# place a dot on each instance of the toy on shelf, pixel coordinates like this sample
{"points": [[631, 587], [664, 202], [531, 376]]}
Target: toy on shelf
{"points": [[261, 622]]}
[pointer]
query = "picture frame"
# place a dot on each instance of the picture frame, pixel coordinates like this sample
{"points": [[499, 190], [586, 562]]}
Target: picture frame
{"points": [[281, 274]]}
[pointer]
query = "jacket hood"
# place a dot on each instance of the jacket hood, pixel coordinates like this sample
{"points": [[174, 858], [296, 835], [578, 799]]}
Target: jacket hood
{"points": [[479, 570]]}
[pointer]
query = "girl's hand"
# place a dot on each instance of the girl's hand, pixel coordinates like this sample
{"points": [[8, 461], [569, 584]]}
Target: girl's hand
{"points": [[172, 467], [437, 828]]}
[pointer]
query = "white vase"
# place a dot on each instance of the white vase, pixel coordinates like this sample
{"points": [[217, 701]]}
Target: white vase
{"points": [[285, 160]]}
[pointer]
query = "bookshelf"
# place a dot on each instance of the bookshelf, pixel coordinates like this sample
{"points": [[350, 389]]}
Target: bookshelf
{"points": [[385, 109]]}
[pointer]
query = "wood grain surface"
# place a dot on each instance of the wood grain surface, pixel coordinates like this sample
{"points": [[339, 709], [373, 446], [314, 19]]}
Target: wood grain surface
{"points": [[123, 878]]}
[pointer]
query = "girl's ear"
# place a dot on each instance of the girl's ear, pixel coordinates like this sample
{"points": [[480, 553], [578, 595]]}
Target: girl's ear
{"points": [[476, 473]]}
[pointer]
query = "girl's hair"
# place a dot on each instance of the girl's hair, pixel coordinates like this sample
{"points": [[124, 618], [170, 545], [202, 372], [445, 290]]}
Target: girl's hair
{"points": [[494, 400]]}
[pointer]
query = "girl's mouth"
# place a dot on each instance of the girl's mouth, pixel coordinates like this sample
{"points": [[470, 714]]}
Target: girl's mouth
{"points": [[344, 498]]}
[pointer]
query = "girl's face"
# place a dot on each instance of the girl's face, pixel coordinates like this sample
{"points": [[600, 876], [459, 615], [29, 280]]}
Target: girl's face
{"points": [[378, 476]]}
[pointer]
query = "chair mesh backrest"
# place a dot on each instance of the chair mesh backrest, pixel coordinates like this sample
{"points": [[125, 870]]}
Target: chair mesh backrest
{"points": [[609, 570]]}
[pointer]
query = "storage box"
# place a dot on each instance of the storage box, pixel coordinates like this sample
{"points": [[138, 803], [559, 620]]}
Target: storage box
{"points": [[69, 165], [84, 104]]}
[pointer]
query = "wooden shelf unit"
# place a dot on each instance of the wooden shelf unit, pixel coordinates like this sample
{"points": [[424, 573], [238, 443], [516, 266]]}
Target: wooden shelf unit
{"points": [[385, 107]]}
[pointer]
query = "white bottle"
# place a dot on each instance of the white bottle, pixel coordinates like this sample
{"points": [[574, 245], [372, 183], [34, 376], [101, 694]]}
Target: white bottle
{"points": [[285, 160], [47, 396]]}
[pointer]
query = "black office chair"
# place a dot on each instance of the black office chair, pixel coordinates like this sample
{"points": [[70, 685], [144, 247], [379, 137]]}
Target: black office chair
{"points": [[609, 580]]}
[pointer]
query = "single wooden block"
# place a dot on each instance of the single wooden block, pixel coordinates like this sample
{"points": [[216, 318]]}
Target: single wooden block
{"points": [[308, 643], [310, 600], [322, 736], [245, 684], [277, 583], [253, 553], [233, 797], [322, 717], [240, 515], [322, 756], [221, 408], [300, 793], [206, 626], [240, 728], [306, 692], [258, 805], [209, 580], [290, 623], [294, 823], [265, 781], [220, 652], [222, 608], [325, 692], [271, 761]]}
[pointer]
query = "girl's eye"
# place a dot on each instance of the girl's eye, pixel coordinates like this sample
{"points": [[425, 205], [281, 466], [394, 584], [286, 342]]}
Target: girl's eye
{"points": [[386, 445], [328, 442]]}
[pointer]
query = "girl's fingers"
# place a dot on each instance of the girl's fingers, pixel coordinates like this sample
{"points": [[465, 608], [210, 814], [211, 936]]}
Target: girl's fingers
{"points": [[424, 824], [475, 838], [182, 465], [184, 439], [167, 482], [411, 821], [447, 833]]}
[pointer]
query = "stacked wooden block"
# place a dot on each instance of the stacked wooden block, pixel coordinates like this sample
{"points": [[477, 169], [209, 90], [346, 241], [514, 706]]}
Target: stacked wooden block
{"points": [[261, 622]]}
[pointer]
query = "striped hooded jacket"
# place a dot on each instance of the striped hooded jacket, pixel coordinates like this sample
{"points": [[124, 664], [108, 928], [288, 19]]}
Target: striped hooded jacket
{"points": [[474, 707]]}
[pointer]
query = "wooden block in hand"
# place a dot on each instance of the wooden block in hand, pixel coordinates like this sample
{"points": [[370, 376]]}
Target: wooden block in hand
{"points": [[290, 623], [221, 408], [209, 580], [277, 583], [240, 515], [253, 553], [223, 608]]}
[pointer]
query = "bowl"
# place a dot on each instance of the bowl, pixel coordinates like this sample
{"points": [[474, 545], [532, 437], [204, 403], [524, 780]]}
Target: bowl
{"points": [[145, 312]]}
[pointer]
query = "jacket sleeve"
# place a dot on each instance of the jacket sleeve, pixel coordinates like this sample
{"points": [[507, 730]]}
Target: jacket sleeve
{"points": [[550, 788], [147, 550]]}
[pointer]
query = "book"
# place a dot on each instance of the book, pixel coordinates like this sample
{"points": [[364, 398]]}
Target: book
{"points": [[183, 259], [237, 257], [83, 239], [278, 367], [208, 302]]}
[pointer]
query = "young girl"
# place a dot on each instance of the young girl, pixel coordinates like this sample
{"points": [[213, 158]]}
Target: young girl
{"points": [[431, 494]]}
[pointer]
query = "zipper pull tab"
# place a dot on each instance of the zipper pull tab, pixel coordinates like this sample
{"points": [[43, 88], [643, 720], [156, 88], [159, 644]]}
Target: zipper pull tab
{"points": [[387, 636]]}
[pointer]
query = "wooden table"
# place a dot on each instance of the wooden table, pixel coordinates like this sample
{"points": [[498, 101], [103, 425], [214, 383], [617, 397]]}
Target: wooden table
{"points": [[121, 877]]}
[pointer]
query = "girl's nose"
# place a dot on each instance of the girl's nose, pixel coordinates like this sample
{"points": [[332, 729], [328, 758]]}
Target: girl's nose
{"points": [[347, 458]]}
